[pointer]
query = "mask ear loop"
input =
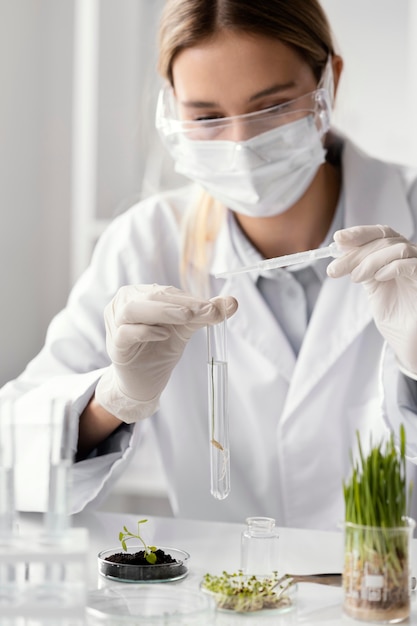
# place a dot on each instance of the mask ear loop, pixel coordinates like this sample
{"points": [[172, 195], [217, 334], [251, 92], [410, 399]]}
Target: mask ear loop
{"points": [[327, 80]]}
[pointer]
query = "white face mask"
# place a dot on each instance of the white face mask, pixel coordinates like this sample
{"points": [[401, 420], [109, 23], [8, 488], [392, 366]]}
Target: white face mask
{"points": [[259, 177]]}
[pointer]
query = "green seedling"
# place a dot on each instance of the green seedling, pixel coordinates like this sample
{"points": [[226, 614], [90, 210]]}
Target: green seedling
{"points": [[150, 555]]}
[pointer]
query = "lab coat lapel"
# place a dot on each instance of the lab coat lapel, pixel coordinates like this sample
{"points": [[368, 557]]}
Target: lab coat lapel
{"points": [[263, 333], [341, 313]]}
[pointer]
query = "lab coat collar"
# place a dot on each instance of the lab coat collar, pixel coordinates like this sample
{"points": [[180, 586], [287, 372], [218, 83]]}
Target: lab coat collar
{"points": [[262, 333]]}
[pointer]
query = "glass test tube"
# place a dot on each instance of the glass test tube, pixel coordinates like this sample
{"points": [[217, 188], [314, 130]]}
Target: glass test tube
{"points": [[61, 457], [57, 517], [218, 409]]}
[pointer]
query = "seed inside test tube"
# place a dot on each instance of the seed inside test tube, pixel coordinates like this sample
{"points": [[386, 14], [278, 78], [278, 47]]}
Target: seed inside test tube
{"points": [[218, 410]]}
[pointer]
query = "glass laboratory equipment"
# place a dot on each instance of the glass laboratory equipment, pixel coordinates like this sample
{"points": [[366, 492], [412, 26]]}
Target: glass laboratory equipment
{"points": [[60, 455], [150, 605], [377, 572], [218, 409], [307, 256], [60, 579], [49, 564], [259, 547]]}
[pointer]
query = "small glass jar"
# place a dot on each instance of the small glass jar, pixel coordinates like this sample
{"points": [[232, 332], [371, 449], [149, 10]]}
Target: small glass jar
{"points": [[259, 547]]}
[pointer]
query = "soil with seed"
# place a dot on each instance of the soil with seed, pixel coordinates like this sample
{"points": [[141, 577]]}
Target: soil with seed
{"points": [[138, 558], [133, 567]]}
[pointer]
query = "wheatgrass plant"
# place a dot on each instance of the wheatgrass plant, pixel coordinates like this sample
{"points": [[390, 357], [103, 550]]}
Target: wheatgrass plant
{"points": [[376, 497]]}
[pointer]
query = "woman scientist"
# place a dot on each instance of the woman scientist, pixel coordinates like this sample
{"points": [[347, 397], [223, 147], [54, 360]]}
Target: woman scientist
{"points": [[246, 116]]}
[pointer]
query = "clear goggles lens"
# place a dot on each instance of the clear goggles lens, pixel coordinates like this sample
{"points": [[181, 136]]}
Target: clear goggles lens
{"points": [[169, 124]]}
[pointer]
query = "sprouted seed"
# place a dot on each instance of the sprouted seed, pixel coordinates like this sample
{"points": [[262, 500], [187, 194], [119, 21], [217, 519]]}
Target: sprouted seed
{"points": [[213, 441], [243, 594], [149, 551]]}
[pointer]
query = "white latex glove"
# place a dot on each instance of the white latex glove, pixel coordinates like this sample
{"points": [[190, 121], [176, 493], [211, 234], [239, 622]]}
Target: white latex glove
{"points": [[386, 264], [148, 327]]}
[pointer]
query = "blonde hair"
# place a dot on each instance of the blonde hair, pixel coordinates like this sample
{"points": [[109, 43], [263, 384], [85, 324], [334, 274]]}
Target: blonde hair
{"points": [[301, 24], [200, 227]]}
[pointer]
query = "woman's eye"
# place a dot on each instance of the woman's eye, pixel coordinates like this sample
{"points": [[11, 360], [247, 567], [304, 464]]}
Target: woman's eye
{"points": [[207, 118], [282, 105]]}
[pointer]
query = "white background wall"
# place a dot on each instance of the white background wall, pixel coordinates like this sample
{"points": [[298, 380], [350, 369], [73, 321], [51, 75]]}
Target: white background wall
{"points": [[377, 102], [35, 154]]}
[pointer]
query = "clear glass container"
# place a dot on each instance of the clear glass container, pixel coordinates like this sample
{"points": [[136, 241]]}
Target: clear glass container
{"points": [[150, 605], [259, 547], [376, 575], [158, 573]]}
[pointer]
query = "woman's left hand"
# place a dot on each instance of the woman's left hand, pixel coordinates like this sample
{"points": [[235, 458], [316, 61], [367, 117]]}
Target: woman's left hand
{"points": [[386, 264]]}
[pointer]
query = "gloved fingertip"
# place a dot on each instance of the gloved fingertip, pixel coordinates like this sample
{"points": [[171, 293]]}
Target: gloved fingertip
{"points": [[338, 235], [231, 306], [336, 269], [346, 235], [330, 271], [363, 234], [226, 306]]}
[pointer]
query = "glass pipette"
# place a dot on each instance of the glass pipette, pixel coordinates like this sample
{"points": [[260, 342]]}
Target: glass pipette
{"points": [[287, 259], [218, 410]]}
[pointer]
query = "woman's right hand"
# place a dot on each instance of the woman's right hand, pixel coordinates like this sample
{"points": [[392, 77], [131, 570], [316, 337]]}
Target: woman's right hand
{"points": [[148, 327]]}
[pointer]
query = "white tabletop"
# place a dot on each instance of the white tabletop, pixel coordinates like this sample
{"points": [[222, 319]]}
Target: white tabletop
{"points": [[215, 546]]}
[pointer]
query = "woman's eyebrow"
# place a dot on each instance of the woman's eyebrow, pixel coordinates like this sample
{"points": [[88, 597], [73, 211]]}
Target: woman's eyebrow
{"points": [[198, 104], [274, 89]]}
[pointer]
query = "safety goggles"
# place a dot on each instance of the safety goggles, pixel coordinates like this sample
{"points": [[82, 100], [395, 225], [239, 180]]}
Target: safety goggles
{"points": [[317, 103], [170, 126]]}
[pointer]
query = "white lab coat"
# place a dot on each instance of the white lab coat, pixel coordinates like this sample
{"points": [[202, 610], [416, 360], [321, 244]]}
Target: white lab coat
{"points": [[292, 421]]}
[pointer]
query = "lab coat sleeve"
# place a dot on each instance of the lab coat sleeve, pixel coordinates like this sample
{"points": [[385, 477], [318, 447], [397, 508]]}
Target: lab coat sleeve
{"points": [[400, 401], [91, 478], [398, 390]]}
